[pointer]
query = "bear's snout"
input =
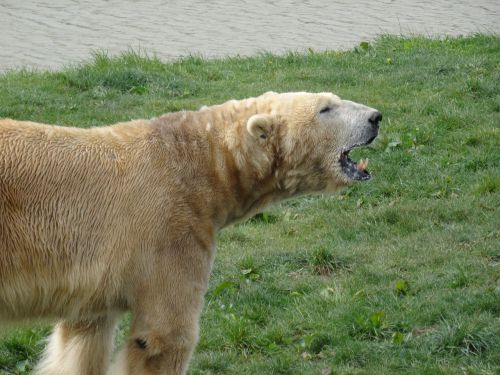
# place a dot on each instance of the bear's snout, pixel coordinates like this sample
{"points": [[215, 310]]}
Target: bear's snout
{"points": [[375, 119]]}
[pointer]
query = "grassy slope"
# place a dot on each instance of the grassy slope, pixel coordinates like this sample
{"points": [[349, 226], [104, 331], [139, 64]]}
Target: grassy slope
{"points": [[399, 275]]}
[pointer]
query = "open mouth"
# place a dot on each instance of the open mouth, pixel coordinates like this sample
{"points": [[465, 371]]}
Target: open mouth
{"points": [[355, 170]]}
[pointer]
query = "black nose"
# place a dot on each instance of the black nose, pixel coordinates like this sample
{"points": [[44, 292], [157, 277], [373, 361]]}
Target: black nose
{"points": [[375, 118]]}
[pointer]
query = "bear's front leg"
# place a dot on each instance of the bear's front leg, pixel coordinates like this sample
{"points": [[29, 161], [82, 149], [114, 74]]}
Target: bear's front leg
{"points": [[167, 306], [165, 351]]}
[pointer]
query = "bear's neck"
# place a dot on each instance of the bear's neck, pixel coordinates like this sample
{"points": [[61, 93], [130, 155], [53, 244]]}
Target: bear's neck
{"points": [[230, 177], [247, 176]]}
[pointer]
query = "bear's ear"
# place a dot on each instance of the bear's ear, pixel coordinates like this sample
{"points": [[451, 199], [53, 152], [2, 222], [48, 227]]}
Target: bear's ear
{"points": [[260, 125]]}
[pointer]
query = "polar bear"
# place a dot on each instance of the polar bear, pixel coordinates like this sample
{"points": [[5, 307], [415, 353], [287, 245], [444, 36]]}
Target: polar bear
{"points": [[95, 222]]}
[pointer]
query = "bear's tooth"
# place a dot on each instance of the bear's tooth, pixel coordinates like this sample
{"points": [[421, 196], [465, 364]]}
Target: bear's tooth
{"points": [[362, 165], [359, 166]]}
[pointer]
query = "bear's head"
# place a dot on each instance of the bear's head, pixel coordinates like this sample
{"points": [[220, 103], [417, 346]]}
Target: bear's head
{"points": [[308, 138]]}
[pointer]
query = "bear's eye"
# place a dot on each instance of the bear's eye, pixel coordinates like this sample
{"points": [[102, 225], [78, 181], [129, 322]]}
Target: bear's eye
{"points": [[325, 110]]}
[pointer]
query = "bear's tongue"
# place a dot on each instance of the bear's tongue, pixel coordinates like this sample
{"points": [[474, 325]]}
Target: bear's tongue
{"points": [[353, 170]]}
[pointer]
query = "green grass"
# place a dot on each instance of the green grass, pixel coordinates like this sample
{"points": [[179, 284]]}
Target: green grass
{"points": [[396, 276]]}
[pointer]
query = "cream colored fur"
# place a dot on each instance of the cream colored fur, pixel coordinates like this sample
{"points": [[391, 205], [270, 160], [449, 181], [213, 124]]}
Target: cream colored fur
{"points": [[95, 222]]}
